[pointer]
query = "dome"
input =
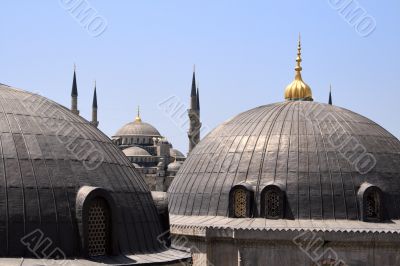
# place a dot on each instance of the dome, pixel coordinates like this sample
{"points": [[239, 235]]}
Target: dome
{"points": [[135, 152], [176, 154], [52, 162], [322, 156], [138, 128], [175, 166]]}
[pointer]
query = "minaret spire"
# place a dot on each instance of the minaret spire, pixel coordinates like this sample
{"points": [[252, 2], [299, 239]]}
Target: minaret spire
{"points": [[194, 114], [95, 122], [138, 119], [298, 60], [74, 94], [198, 98], [193, 94], [330, 95]]}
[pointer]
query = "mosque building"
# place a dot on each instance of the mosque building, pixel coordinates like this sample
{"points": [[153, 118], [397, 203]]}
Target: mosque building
{"points": [[290, 183], [150, 152]]}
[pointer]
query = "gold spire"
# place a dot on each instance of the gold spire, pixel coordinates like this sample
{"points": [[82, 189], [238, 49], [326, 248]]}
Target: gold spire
{"points": [[298, 90], [138, 119]]}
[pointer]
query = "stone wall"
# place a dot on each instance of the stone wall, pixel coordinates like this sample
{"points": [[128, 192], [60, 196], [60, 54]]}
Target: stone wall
{"points": [[237, 252]]}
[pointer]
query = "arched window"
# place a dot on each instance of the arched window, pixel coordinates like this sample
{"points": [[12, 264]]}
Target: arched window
{"points": [[272, 202], [371, 203], [99, 227], [240, 201]]}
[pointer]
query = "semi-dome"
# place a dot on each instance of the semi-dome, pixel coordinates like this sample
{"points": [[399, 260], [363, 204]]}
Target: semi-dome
{"points": [[61, 180], [321, 156], [176, 154], [136, 152], [175, 166]]}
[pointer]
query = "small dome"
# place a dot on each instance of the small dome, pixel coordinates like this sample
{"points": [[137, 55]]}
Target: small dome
{"points": [[175, 166], [136, 152], [176, 154], [138, 128]]}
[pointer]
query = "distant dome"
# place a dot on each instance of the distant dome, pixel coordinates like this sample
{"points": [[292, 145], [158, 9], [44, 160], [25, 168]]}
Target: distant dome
{"points": [[290, 144], [136, 152], [175, 166], [53, 163], [176, 154], [138, 128]]}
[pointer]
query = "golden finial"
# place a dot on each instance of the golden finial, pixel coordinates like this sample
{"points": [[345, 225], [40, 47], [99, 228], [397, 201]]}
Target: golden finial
{"points": [[298, 89], [298, 60], [138, 119]]}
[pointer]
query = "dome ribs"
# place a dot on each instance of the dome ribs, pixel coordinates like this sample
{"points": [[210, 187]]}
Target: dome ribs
{"points": [[320, 183], [15, 186], [40, 176], [262, 114], [244, 131]]}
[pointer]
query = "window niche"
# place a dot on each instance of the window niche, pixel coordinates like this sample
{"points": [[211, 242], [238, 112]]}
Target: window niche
{"points": [[241, 199], [96, 219], [370, 200], [273, 202]]}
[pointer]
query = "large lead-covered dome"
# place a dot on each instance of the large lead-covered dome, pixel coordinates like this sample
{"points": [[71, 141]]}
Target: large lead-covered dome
{"points": [[54, 168], [320, 155], [138, 128]]}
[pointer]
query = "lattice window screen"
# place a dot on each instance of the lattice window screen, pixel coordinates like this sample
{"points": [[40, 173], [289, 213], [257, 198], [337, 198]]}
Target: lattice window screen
{"points": [[273, 205], [240, 201], [98, 228], [372, 206]]}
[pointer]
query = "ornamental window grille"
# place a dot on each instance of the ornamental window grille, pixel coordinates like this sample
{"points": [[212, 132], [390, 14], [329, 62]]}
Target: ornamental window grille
{"points": [[98, 228], [240, 203], [273, 204], [372, 203]]}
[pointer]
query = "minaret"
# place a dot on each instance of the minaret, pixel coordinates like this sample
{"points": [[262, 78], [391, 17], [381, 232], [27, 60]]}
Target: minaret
{"points": [[198, 99], [194, 115], [330, 95], [74, 95], [94, 122]]}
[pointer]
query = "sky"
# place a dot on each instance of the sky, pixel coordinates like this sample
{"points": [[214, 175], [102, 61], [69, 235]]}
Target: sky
{"points": [[143, 52]]}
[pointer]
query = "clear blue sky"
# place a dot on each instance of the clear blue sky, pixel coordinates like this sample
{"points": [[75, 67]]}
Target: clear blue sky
{"points": [[244, 52]]}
